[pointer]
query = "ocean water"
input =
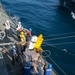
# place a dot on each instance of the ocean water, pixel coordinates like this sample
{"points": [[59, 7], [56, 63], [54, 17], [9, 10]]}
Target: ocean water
{"points": [[47, 17]]}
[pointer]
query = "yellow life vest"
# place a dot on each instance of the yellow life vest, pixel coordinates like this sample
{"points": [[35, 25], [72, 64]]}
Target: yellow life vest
{"points": [[38, 43], [22, 36]]}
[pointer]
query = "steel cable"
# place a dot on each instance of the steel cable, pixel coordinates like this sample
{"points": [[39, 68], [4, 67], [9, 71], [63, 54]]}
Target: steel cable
{"points": [[60, 34], [60, 38], [58, 44]]}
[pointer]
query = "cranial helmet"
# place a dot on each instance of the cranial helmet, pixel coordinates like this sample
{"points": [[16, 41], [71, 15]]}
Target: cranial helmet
{"points": [[30, 29], [49, 65], [7, 21], [19, 22]]}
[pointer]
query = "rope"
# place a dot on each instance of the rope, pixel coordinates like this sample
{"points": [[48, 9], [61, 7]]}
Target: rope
{"points": [[60, 38], [65, 50], [58, 44], [60, 34], [52, 67], [47, 55], [57, 66]]}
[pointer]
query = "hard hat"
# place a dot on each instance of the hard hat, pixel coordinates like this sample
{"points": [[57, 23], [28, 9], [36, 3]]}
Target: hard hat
{"points": [[19, 22], [27, 63], [30, 29], [49, 65], [14, 46], [7, 21]]}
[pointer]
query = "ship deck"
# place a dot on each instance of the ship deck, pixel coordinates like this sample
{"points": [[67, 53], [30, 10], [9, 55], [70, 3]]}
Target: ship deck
{"points": [[6, 67]]}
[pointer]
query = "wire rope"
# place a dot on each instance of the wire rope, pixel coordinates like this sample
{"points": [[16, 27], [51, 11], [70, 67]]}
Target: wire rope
{"points": [[57, 65], [59, 34], [60, 38], [58, 44], [65, 50]]}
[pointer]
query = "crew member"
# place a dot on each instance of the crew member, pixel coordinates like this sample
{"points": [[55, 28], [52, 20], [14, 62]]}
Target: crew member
{"points": [[14, 54], [7, 28], [28, 34]]}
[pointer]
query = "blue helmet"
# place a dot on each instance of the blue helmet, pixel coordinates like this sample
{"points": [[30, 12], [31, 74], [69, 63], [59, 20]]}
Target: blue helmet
{"points": [[27, 63], [30, 29], [49, 65]]}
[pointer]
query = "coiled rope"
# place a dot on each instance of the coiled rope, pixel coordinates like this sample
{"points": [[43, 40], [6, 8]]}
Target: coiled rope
{"points": [[47, 54]]}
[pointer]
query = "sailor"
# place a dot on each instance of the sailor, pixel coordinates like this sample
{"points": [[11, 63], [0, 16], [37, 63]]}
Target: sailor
{"points": [[48, 71], [19, 26], [19, 29], [28, 34], [14, 54], [7, 28], [22, 36], [23, 46], [45, 65], [18, 46], [22, 41], [1, 55]]}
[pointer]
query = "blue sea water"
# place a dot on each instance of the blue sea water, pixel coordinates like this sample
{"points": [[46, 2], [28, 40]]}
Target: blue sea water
{"points": [[47, 17]]}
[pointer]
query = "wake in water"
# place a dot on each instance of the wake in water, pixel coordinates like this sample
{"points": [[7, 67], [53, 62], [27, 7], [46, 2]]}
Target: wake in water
{"points": [[65, 50], [65, 3], [73, 15]]}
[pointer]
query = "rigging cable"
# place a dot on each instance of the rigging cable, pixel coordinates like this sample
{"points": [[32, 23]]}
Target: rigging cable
{"points": [[52, 68], [65, 50], [59, 44], [60, 34], [56, 65], [60, 38]]}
